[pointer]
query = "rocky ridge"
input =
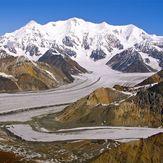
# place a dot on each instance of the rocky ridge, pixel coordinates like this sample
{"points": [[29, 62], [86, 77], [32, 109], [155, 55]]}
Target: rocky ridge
{"points": [[105, 106], [21, 74]]}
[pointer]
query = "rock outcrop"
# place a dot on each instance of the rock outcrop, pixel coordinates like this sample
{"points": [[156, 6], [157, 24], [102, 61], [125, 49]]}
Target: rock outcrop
{"points": [[6, 84], [63, 63], [129, 61], [144, 150], [104, 96], [97, 55], [121, 88], [28, 75], [156, 78]]}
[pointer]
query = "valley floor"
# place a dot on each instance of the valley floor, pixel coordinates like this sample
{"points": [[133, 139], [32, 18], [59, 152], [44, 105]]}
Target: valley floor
{"points": [[18, 110]]}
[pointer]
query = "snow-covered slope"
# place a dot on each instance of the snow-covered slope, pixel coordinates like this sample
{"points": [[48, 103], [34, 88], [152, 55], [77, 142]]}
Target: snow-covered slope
{"points": [[78, 39]]}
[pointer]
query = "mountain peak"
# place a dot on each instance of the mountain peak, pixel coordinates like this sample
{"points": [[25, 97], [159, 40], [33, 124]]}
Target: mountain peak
{"points": [[32, 23], [132, 26], [75, 19]]}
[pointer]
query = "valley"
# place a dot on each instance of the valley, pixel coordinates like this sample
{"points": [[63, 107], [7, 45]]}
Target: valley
{"points": [[79, 88], [76, 91], [26, 122]]}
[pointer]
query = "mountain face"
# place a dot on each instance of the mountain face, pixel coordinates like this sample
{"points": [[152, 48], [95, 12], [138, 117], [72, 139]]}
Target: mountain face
{"points": [[129, 61], [62, 62], [142, 57], [144, 150], [21, 74], [80, 40], [86, 111], [109, 107]]}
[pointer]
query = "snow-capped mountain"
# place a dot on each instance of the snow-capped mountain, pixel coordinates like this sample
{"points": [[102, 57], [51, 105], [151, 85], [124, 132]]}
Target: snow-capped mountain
{"points": [[83, 41]]}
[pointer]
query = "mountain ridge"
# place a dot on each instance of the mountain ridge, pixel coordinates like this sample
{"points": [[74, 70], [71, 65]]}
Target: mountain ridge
{"points": [[82, 39]]}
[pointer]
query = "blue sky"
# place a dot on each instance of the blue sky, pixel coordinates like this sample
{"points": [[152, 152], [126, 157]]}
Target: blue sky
{"points": [[146, 14]]}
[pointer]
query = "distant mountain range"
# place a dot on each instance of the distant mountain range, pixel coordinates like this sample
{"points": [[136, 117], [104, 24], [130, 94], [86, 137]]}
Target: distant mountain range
{"points": [[124, 48]]}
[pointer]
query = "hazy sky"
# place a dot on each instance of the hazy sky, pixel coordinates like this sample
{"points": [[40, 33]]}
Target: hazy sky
{"points": [[146, 14]]}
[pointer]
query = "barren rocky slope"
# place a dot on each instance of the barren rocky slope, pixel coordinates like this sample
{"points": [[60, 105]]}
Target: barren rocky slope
{"points": [[145, 150], [106, 106], [63, 62], [19, 73], [156, 78]]}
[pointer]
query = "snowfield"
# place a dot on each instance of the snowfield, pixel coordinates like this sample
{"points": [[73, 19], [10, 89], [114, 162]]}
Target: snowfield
{"points": [[80, 38]]}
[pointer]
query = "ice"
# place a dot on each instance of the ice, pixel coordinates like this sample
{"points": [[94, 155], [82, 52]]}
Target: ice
{"points": [[23, 116], [124, 134], [83, 85]]}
